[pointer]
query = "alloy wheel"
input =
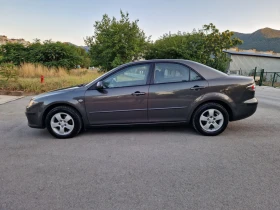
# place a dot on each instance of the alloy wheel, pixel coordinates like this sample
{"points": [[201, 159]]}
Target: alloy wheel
{"points": [[211, 120], [62, 123]]}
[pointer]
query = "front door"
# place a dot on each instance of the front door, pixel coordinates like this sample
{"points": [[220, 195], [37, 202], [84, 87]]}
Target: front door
{"points": [[123, 99], [174, 89]]}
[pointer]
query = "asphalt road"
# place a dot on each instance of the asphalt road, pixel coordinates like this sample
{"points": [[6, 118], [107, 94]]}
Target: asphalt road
{"points": [[143, 167]]}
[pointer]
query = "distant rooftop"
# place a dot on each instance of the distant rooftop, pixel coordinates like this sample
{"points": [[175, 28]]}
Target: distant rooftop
{"points": [[253, 52], [4, 40]]}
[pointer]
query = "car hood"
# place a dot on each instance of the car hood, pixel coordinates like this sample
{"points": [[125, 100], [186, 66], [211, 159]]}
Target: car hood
{"points": [[58, 91]]}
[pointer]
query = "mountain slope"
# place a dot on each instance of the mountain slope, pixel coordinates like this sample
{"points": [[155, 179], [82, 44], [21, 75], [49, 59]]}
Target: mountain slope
{"points": [[265, 39], [86, 48]]}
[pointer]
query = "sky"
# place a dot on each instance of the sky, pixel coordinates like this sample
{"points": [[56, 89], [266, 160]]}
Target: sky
{"points": [[72, 20]]}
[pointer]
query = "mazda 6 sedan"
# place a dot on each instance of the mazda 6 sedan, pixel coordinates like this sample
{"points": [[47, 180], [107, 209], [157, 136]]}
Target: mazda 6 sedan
{"points": [[147, 92]]}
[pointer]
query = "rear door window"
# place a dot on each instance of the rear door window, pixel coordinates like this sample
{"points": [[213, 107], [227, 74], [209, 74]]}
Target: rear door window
{"points": [[173, 72]]}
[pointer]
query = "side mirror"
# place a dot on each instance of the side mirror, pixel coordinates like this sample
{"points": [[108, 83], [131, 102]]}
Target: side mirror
{"points": [[99, 85]]}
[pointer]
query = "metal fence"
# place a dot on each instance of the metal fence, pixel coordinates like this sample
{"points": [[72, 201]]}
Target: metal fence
{"points": [[270, 79], [261, 77]]}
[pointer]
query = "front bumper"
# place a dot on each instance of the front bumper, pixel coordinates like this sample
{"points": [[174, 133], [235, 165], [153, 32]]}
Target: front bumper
{"points": [[33, 120], [245, 109], [34, 116]]}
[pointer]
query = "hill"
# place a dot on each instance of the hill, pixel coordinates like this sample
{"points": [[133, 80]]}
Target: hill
{"points": [[86, 48], [265, 39]]}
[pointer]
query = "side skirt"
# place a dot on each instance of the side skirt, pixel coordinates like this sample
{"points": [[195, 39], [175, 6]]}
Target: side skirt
{"points": [[138, 124]]}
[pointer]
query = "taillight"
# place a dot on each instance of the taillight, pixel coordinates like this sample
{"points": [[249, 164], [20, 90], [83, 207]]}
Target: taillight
{"points": [[252, 87]]}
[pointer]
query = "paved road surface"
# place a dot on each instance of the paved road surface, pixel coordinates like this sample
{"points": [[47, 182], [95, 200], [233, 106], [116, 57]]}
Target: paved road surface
{"points": [[142, 168], [5, 99]]}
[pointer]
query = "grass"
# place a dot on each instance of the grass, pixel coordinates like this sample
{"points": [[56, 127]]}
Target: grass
{"points": [[29, 79], [276, 84], [29, 70]]}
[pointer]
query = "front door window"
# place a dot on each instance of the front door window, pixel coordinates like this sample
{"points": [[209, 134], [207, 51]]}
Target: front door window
{"points": [[131, 76]]}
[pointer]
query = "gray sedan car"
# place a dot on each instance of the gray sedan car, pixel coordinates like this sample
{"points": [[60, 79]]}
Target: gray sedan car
{"points": [[147, 92]]}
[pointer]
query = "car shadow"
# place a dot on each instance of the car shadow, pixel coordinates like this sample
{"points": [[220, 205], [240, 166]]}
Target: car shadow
{"points": [[140, 129], [43, 134]]}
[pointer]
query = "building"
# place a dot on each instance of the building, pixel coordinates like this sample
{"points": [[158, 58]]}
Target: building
{"points": [[5, 40], [244, 61]]}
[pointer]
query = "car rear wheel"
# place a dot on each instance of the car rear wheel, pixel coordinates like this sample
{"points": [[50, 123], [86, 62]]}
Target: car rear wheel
{"points": [[63, 122], [210, 119]]}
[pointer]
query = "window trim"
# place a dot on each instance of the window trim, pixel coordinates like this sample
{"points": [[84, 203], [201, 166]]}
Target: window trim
{"points": [[150, 78], [171, 62], [93, 87]]}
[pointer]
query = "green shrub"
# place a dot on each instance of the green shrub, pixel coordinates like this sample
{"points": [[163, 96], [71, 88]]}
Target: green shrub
{"points": [[8, 71], [49, 54]]}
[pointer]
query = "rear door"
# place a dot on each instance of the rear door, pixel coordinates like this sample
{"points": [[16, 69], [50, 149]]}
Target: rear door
{"points": [[124, 98], [174, 88]]}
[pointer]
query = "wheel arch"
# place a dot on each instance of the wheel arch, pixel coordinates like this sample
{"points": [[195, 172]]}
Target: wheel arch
{"points": [[217, 101], [50, 107]]}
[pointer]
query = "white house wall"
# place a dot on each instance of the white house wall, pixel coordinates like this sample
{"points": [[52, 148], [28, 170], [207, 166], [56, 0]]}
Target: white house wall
{"points": [[250, 62]]}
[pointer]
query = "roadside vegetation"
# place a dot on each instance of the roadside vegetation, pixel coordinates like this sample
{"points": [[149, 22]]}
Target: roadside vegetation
{"points": [[28, 78], [114, 42], [50, 54]]}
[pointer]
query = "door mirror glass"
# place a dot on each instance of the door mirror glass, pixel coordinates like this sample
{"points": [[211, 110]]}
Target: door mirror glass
{"points": [[99, 85]]}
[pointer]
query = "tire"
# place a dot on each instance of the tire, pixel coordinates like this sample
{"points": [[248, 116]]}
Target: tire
{"points": [[63, 122], [210, 119]]}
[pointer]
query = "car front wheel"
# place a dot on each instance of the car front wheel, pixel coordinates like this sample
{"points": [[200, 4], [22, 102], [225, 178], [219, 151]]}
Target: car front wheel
{"points": [[210, 119], [63, 122]]}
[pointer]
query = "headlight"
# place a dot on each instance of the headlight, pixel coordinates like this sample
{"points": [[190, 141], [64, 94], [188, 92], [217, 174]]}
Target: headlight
{"points": [[31, 103]]}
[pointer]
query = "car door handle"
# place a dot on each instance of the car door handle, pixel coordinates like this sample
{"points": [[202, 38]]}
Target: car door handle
{"points": [[138, 93], [196, 87]]}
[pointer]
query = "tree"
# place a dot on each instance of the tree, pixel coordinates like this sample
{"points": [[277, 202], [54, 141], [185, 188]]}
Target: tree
{"points": [[50, 54], [215, 43], [13, 52], [55, 54], [36, 40], [116, 42], [205, 46], [85, 58]]}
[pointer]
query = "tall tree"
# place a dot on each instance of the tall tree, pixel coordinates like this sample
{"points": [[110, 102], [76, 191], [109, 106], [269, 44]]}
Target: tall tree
{"points": [[215, 43], [116, 42], [205, 46]]}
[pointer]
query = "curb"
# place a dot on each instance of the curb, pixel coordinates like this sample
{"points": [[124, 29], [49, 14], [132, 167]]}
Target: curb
{"points": [[11, 93]]}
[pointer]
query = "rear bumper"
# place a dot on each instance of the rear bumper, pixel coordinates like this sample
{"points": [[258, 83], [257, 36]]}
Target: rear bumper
{"points": [[245, 109]]}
